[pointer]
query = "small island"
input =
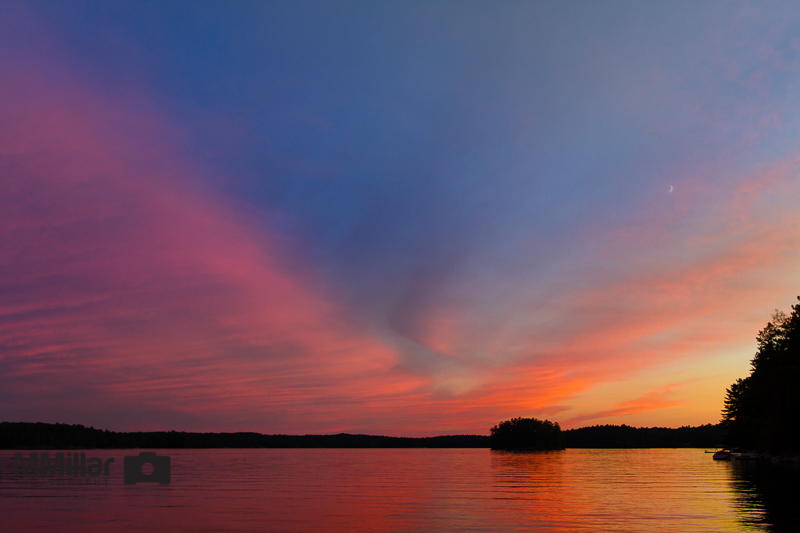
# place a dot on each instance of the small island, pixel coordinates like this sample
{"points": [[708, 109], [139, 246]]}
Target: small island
{"points": [[526, 434]]}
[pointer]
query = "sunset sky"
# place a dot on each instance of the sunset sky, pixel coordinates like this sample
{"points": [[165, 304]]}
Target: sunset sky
{"points": [[406, 218]]}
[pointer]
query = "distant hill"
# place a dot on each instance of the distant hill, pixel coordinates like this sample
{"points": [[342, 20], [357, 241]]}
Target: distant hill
{"points": [[38, 435]]}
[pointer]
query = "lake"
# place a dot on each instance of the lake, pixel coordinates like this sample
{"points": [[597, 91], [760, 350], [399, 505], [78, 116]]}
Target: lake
{"points": [[679, 490]]}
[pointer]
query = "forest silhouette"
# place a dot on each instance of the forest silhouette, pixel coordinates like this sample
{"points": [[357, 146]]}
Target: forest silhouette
{"points": [[760, 410], [39, 435]]}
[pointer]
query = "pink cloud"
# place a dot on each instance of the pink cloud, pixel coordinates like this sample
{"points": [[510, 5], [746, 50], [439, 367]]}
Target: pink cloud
{"points": [[134, 297]]}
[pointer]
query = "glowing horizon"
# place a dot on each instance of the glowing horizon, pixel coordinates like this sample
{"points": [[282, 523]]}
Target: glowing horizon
{"points": [[220, 222]]}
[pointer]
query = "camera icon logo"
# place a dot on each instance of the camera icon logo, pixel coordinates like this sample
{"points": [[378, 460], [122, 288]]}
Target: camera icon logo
{"points": [[147, 467]]}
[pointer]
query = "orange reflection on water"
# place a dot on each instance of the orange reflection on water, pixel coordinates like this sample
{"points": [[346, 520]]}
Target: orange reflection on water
{"points": [[671, 490]]}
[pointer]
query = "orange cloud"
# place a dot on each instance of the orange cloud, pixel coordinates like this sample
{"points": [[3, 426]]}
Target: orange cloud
{"points": [[672, 290], [657, 399]]}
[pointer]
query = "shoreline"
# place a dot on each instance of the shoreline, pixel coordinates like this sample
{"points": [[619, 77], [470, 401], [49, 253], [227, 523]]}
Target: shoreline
{"points": [[41, 435]]}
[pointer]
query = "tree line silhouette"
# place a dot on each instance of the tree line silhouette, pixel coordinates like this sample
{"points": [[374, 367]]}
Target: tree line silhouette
{"points": [[613, 436], [760, 409], [26, 435], [42, 436]]}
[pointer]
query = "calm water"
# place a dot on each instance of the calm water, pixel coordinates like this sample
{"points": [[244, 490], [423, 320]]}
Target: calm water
{"points": [[679, 490]]}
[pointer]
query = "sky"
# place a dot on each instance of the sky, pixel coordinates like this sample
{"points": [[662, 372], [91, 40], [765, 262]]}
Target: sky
{"points": [[405, 218]]}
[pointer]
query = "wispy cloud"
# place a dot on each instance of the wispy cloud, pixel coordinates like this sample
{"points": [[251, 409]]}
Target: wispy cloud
{"points": [[657, 399]]}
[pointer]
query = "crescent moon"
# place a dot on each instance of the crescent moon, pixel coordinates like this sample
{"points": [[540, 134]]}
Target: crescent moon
{"points": [[671, 188]]}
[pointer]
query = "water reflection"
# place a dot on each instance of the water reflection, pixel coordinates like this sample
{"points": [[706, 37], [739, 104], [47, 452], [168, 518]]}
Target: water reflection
{"points": [[766, 495], [410, 490], [667, 490]]}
